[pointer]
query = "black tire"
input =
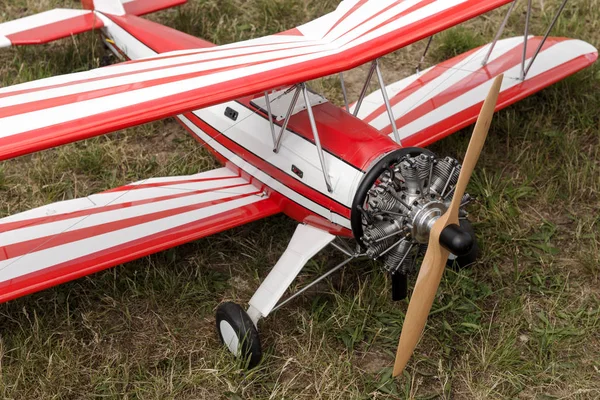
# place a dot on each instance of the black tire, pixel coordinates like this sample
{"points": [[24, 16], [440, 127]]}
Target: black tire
{"points": [[232, 320], [470, 258]]}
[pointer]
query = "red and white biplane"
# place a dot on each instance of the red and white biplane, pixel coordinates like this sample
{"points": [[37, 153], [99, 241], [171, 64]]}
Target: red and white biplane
{"points": [[357, 172]]}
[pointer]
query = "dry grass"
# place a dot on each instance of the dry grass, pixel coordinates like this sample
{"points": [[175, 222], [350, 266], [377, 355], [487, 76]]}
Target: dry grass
{"points": [[523, 323]]}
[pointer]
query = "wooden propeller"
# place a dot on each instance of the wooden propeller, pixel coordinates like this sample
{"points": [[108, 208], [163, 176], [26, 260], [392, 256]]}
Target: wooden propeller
{"points": [[435, 258]]}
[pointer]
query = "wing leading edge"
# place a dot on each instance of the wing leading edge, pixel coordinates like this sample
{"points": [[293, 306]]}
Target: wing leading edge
{"points": [[63, 241], [63, 109]]}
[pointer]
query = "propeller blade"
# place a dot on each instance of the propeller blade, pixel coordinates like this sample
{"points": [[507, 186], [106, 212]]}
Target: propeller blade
{"points": [[435, 258]]}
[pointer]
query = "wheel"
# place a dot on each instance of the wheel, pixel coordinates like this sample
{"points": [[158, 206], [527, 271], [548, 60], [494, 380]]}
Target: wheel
{"points": [[469, 258], [235, 327]]}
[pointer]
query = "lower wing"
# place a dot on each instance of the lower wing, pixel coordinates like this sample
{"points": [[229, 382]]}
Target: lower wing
{"points": [[447, 97], [59, 242]]}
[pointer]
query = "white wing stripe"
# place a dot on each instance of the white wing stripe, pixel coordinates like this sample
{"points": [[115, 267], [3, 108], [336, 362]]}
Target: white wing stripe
{"points": [[552, 57], [444, 81], [242, 55], [74, 224], [39, 20], [113, 198], [4, 42], [146, 76], [36, 261]]}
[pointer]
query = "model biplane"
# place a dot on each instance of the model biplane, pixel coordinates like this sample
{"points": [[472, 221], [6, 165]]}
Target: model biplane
{"points": [[355, 173]]}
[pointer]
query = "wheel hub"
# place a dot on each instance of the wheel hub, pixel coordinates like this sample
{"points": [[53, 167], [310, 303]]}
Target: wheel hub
{"points": [[422, 218]]}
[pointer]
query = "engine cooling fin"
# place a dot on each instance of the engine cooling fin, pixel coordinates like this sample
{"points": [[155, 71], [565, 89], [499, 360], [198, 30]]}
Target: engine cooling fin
{"points": [[402, 205]]}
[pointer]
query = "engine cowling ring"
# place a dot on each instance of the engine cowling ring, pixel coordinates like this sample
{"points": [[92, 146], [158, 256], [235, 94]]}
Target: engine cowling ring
{"points": [[368, 181]]}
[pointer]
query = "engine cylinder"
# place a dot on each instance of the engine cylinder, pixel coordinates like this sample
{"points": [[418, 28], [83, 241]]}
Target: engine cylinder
{"points": [[402, 197]]}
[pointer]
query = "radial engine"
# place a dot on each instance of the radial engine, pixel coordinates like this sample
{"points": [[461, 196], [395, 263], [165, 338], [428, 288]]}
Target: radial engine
{"points": [[397, 204]]}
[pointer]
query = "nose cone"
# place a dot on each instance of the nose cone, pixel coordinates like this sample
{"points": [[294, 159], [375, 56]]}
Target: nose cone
{"points": [[456, 240]]}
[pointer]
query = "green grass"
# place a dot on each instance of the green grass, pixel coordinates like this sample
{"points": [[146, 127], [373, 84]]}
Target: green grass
{"points": [[523, 323]]}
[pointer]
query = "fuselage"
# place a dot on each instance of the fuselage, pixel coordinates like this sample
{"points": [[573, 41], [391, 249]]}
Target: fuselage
{"points": [[238, 133]]}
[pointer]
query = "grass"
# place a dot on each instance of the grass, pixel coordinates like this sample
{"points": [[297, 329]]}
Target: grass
{"points": [[523, 323]]}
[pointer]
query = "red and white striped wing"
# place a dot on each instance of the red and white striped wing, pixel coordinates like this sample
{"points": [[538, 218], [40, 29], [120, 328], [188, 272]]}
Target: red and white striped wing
{"points": [[63, 241], [447, 97], [58, 110], [142, 7], [47, 27]]}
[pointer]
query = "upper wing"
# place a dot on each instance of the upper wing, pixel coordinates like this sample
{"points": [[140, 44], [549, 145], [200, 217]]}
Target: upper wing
{"points": [[447, 97], [58, 110], [66, 240], [47, 27]]}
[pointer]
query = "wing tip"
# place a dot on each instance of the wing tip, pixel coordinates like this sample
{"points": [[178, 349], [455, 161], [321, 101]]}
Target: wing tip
{"points": [[4, 42]]}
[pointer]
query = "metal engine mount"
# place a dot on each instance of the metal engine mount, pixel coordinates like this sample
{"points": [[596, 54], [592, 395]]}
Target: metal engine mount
{"points": [[402, 206]]}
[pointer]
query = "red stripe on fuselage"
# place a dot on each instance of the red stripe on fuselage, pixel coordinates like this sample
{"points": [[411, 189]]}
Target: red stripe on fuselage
{"points": [[292, 183]]}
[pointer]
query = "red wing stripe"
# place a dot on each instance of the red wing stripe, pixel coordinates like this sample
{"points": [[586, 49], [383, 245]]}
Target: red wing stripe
{"points": [[142, 7], [22, 248], [10, 226], [496, 67], [56, 30], [343, 18], [82, 266], [510, 96], [426, 78], [137, 186], [52, 102], [290, 32], [414, 8], [164, 68]]}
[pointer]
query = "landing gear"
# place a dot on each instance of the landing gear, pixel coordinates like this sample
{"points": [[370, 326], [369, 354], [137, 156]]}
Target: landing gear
{"points": [[238, 333], [237, 328]]}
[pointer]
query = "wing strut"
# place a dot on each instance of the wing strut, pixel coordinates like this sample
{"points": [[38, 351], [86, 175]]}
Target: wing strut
{"points": [[315, 132], [287, 117], [539, 48], [386, 100], [344, 92], [524, 65], [525, 39], [499, 33], [425, 54], [271, 123], [363, 92]]}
